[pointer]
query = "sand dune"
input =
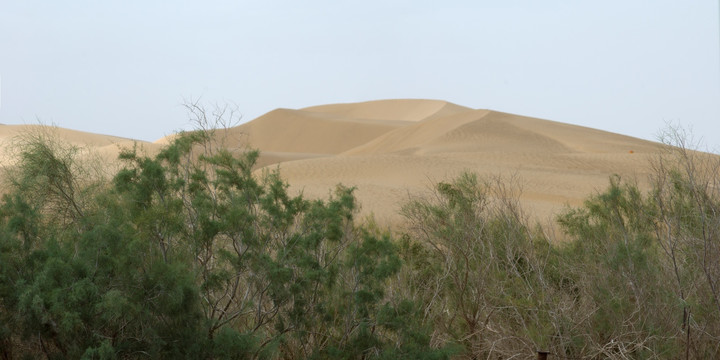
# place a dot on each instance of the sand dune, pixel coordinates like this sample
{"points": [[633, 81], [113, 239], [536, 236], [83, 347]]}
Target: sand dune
{"points": [[392, 149], [556, 164], [107, 147]]}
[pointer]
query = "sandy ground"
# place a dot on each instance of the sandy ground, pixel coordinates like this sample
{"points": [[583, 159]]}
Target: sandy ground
{"points": [[391, 150]]}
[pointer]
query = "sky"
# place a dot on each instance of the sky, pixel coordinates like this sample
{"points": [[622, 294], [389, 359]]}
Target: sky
{"points": [[126, 67]]}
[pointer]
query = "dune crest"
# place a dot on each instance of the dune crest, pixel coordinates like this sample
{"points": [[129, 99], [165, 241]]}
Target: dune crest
{"points": [[400, 109]]}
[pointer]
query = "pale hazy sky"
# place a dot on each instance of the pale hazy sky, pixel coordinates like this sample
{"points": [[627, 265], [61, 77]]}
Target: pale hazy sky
{"points": [[124, 67]]}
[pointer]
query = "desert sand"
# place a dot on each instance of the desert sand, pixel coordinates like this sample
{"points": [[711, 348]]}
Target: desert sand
{"points": [[393, 149]]}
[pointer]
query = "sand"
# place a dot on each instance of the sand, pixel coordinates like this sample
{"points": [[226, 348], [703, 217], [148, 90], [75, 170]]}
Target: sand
{"points": [[392, 150]]}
